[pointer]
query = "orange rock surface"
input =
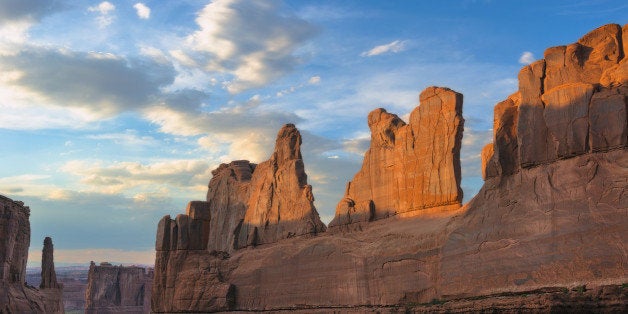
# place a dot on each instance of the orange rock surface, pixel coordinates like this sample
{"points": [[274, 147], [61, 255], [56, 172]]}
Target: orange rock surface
{"points": [[408, 167]]}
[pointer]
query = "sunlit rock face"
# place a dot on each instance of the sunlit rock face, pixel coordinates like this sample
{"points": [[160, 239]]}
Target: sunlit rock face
{"points": [[408, 167], [551, 214], [15, 237], [118, 289]]}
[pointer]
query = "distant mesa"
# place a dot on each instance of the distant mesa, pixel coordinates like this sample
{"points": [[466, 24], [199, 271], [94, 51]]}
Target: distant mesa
{"points": [[548, 223], [118, 289]]}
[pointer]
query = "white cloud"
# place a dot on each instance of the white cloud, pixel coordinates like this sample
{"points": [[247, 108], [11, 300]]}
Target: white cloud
{"points": [[393, 47], [129, 138], [240, 132], [314, 80], [251, 40], [157, 178], [526, 58], [142, 10], [104, 7], [104, 10]]}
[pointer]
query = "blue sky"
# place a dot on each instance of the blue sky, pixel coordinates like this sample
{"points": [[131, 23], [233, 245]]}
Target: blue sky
{"points": [[114, 113]]}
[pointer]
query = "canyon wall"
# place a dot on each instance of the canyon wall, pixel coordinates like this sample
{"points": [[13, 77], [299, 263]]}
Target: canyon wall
{"points": [[556, 175], [15, 295], [551, 216], [118, 289]]}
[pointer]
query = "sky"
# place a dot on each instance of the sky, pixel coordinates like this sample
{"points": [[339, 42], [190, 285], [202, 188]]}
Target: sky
{"points": [[114, 112]]}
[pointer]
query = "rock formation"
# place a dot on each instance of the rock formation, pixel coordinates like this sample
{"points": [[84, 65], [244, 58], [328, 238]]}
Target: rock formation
{"points": [[118, 289], [247, 205], [549, 221], [48, 274], [227, 197], [408, 167], [15, 295], [281, 203]]}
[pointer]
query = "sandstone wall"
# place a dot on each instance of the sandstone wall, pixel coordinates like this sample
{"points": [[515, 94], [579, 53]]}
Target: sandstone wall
{"points": [[552, 209], [118, 289], [408, 167], [570, 103]]}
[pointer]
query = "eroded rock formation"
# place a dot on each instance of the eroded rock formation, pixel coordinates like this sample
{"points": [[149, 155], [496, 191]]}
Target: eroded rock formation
{"points": [[15, 235], [552, 211], [118, 289], [408, 167], [281, 203], [247, 205], [48, 274]]}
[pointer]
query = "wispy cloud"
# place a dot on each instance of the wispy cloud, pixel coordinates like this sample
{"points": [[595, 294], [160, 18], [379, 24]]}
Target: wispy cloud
{"points": [[143, 12], [393, 47], [134, 177], [251, 40], [104, 11], [526, 58]]}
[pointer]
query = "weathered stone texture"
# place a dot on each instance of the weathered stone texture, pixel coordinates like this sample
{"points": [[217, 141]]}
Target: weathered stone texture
{"points": [[48, 274], [227, 196], [560, 110], [408, 167], [554, 225], [607, 119], [281, 203], [118, 289]]}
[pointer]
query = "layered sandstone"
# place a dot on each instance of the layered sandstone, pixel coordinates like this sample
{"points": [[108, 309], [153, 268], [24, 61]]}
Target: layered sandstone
{"points": [[281, 203], [247, 205], [408, 167], [569, 103], [118, 289], [227, 198], [551, 214], [15, 295]]}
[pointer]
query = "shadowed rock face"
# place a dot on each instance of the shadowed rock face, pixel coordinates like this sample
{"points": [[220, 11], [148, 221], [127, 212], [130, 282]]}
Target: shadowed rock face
{"points": [[552, 211], [408, 167], [118, 289], [48, 274], [15, 234]]}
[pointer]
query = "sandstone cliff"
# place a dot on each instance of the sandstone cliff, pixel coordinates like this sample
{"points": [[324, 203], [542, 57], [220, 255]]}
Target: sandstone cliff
{"points": [[281, 203], [552, 212], [556, 175], [408, 167], [247, 205], [15, 295], [118, 289]]}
